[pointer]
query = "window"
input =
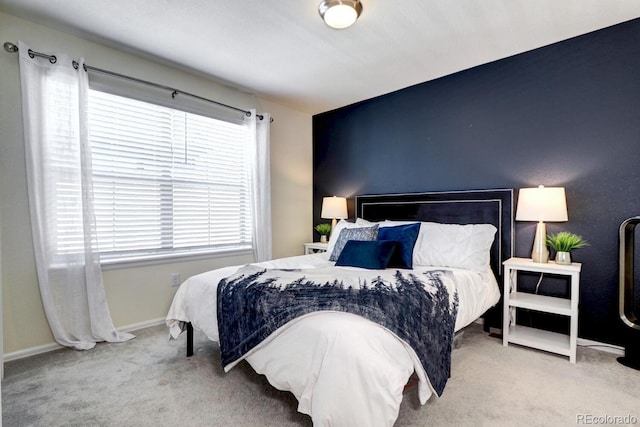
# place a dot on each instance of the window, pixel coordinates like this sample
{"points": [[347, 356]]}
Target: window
{"points": [[165, 181]]}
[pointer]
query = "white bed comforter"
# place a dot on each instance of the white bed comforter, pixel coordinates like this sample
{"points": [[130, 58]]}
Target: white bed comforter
{"points": [[343, 369]]}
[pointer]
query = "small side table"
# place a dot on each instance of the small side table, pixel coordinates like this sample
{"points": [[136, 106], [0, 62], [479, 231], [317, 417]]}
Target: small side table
{"points": [[314, 248], [537, 338]]}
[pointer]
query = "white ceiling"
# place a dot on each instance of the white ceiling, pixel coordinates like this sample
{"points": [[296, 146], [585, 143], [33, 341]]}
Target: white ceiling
{"points": [[281, 49]]}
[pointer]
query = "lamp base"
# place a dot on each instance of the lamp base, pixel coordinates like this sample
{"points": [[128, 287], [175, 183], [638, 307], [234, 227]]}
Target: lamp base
{"points": [[540, 253]]}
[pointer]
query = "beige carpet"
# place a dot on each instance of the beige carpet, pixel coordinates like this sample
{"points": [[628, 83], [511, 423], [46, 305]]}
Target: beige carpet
{"points": [[149, 382]]}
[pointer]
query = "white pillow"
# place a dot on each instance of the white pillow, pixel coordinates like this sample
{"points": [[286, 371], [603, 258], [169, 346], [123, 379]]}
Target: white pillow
{"points": [[361, 222], [454, 245]]}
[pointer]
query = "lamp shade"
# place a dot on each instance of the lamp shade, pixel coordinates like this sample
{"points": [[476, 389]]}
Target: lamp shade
{"points": [[542, 204], [334, 207]]}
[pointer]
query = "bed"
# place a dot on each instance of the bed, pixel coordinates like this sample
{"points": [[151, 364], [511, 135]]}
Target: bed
{"points": [[348, 366]]}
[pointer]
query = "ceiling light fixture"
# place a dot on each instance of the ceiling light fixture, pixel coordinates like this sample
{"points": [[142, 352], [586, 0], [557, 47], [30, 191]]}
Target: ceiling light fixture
{"points": [[340, 14]]}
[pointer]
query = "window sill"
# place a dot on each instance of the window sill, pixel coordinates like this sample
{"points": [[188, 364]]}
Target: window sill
{"points": [[166, 258]]}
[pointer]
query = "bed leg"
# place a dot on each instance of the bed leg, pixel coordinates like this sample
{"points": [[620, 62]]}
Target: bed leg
{"points": [[189, 340]]}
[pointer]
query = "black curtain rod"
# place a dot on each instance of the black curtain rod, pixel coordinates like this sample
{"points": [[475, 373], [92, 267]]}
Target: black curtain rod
{"points": [[13, 48]]}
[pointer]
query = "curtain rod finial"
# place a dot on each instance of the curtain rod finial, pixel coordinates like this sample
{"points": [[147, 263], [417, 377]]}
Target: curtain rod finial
{"points": [[10, 47]]}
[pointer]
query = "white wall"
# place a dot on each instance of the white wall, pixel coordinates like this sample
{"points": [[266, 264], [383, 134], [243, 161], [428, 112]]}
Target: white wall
{"points": [[291, 179], [142, 294]]}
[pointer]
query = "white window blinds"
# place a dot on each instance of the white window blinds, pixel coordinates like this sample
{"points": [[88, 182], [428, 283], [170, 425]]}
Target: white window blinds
{"points": [[166, 181]]}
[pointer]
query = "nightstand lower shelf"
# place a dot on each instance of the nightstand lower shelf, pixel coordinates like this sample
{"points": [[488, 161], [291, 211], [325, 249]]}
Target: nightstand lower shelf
{"points": [[540, 339]]}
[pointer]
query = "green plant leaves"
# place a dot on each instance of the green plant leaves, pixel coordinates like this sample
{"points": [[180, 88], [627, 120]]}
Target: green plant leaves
{"points": [[566, 242]]}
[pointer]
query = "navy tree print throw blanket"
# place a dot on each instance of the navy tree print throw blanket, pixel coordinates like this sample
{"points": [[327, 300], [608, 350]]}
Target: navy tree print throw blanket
{"points": [[417, 306]]}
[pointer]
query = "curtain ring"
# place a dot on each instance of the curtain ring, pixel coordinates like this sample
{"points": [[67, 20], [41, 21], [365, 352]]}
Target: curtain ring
{"points": [[51, 58], [76, 65]]}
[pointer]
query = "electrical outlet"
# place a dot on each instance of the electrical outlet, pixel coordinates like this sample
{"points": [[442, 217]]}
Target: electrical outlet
{"points": [[175, 279]]}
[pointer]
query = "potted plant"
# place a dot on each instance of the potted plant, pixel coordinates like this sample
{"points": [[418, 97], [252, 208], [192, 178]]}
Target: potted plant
{"points": [[324, 230], [563, 243]]}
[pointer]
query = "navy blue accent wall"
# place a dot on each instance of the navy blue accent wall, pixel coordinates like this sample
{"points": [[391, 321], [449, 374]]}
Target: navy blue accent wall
{"points": [[563, 115]]}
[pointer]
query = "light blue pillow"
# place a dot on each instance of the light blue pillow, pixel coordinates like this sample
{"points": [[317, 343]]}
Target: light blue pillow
{"points": [[346, 234]]}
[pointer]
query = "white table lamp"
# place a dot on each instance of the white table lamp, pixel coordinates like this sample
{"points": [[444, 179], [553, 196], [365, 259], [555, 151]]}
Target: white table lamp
{"points": [[541, 204], [334, 208]]}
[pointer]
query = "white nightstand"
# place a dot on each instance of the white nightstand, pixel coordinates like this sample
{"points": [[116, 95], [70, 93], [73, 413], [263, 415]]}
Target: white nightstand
{"points": [[537, 338], [314, 248]]}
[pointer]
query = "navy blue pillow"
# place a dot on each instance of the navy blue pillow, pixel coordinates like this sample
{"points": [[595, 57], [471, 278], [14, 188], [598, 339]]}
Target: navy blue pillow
{"points": [[374, 254], [405, 236]]}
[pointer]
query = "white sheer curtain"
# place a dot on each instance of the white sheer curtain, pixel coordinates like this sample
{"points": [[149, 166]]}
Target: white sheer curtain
{"points": [[258, 137], [58, 163]]}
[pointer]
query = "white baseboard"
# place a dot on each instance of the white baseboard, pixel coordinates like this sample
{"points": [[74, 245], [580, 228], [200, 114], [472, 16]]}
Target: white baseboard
{"points": [[32, 351], [609, 348], [143, 325]]}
